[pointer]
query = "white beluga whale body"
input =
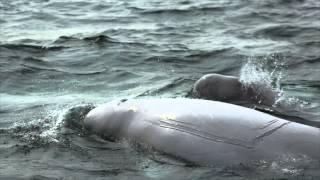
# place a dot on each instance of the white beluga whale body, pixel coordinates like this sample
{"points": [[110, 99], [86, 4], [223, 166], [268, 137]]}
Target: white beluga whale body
{"points": [[204, 132]]}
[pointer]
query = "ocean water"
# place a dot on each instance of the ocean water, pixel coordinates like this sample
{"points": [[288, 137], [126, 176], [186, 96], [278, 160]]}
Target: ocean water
{"points": [[59, 58]]}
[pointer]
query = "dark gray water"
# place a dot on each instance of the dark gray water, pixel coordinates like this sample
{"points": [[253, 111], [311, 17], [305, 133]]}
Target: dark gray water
{"points": [[58, 58]]}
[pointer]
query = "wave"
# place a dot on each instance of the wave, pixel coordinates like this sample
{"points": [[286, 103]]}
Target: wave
{"points": [[33, 68], [190, 9], [99, 39], [305, 61], [93, 39], [311, 43], [305, 83], [30, 47], [27, 68], [190, 57], [213, 53], [30, 65], [173, 86], [165, 59], [63, 42], [34, 60], [280, 3], [285, 31]]}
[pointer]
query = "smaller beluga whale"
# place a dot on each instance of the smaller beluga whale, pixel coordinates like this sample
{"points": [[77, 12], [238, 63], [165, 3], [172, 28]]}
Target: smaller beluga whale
{"points": [[224, 88]]}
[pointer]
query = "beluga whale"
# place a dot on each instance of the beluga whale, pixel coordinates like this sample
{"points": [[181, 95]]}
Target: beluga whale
{"points": [[204, 132], [230, 89]]}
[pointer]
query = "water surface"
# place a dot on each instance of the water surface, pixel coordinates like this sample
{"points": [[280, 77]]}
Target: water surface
{"points": [[58, 58]]}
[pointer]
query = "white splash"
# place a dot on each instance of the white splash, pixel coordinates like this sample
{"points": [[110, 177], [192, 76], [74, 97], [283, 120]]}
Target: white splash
{"points": [[56, 118], [263, 75]]}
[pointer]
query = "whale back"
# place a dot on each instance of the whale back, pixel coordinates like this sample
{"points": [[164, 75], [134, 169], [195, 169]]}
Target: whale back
{"points": [[207, 132]]}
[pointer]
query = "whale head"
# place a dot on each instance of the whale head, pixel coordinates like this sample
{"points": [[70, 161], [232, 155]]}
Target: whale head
{"points": [[106, 120], [217, 87]]}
